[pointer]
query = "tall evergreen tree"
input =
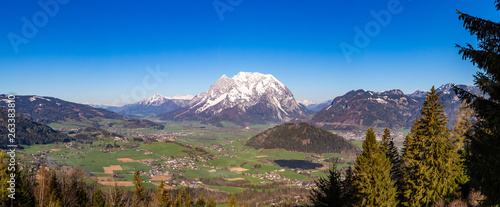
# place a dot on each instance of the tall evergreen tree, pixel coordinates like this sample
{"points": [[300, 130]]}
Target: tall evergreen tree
{"points": [[162, 197], [430, 157], [373, 183], [232, 201], [189, 200], [211, 202], [329, 190], [201, 201], [391, 151], [139, 191], [4, 177], [483, 156], [24, 191], [99, 199], [348, 189]]}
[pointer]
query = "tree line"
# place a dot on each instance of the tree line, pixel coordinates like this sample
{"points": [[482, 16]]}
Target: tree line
{"points": [[437, 166]]}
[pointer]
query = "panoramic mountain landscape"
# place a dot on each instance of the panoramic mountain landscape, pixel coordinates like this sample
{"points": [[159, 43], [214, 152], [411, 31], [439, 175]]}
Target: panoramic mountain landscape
{"points": [[249, 103]]}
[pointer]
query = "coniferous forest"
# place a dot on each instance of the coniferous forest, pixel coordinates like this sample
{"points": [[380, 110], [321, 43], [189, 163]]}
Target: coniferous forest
{"points": [[437, 166]]}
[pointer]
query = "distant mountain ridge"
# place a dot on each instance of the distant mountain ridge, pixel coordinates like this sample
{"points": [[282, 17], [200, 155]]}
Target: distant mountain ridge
{"points": [[28, 132], [392, 108], [152, 106], [246, 98], [48, 110]]}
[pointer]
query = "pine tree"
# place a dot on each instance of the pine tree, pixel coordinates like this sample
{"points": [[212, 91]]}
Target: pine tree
{"points": [[429, 158], [4, 177], [179, 201], [211, 202], [24, 191], [329, 190], [373, 183], [116, 197], [232, 201], [139, 188], [391, 151], [98, 199], [201, 201], [348, 189], [483, 153], [189, 200], [162, 197]]}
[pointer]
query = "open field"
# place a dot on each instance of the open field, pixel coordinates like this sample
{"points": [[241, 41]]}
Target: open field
{"points": [[188, 151]]}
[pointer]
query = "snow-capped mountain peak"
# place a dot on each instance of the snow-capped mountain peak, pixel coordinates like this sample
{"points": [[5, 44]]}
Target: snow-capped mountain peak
{"points": [[158, 99], [243, 95], [307, 102], [244, 90]]}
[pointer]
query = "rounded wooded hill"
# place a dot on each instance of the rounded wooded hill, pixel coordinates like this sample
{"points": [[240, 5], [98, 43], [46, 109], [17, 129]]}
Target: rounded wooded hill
{"points": [[302, 138]]}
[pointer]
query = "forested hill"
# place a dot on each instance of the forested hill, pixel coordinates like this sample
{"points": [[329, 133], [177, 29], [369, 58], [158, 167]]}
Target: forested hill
{"points": [[28, 132], [302, 138], [48, 110]]}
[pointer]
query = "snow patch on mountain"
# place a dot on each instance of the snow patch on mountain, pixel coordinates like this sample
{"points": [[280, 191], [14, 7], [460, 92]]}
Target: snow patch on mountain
{"points": [[33, 98], [245, 90]]}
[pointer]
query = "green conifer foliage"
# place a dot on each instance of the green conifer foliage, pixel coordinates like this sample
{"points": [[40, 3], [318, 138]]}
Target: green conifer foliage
{"points": [[483, 153], [99, 199], [211, 202], [430, 157], [329, 190], [373, 183], [139, 188], [391, 151]]}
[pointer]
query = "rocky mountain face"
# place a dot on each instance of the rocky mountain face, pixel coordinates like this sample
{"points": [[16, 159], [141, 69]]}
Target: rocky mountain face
{"points": [[246, 98], [392, 109], [48, 110], [367, 108], [153, 106], [302, 138]]}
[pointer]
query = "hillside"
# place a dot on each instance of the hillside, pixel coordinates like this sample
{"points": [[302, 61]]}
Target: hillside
{"points": [[28, 132], [48, 110], [302, 138], [391, 109]]}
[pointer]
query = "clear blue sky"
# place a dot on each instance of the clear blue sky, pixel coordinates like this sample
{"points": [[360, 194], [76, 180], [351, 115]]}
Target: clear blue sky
{"points": [[98, 51]]}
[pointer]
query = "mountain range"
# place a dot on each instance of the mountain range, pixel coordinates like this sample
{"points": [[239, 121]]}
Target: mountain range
{"points": [[392, 109], [152, 106], [246, 98], [252, 98], [48, 110]]}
